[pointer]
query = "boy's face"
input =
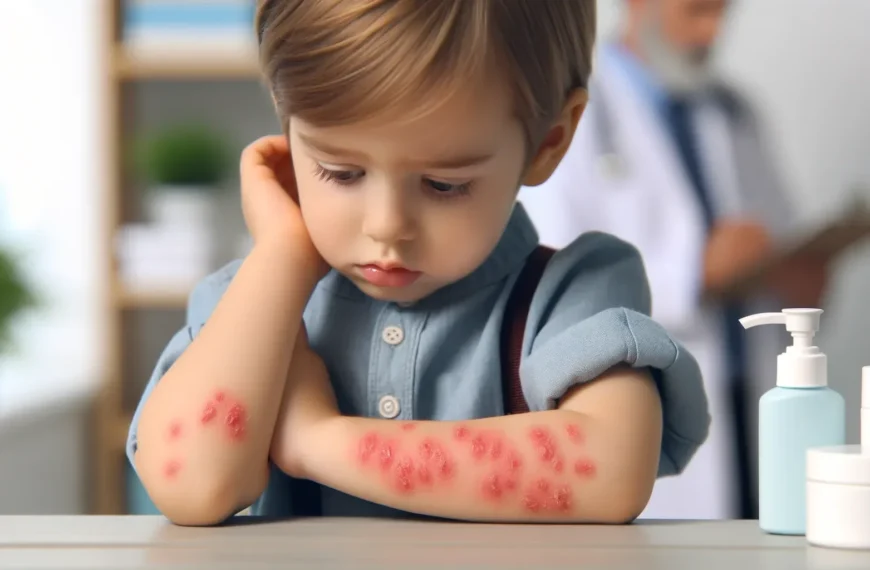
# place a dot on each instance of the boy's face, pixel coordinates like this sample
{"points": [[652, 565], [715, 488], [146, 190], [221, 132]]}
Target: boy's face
{"points": [[404, 208]]}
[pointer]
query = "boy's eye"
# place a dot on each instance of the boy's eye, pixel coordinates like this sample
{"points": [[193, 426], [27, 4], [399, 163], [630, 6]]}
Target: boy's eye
{"points": [[441, 186], [339, 176], [446, 189]]}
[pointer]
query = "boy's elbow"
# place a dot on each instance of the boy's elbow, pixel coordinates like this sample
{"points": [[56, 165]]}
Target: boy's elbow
{"points": [[633, 499], [202, 502]]}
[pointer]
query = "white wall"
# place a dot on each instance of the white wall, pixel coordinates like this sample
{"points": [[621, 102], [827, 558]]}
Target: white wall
{"points": [[804, 63], [50, 174], [50, 208]]}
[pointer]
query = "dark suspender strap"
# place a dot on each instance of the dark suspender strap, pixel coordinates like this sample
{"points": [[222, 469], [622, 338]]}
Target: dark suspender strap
{"points": [[514, 325]]}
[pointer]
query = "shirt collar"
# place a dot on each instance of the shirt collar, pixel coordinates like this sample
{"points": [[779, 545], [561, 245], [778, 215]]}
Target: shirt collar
{"points": [[617, 55], [518, 240]]}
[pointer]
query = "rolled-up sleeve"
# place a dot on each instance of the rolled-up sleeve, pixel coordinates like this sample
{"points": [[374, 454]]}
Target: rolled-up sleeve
{"points": [[590, 313], [200, 305]]}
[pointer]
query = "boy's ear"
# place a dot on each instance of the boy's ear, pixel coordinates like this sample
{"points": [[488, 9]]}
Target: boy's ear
{"points": [[556, 141]]}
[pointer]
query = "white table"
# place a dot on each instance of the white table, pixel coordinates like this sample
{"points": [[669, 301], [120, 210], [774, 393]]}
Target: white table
{"points": [[151, 542]]}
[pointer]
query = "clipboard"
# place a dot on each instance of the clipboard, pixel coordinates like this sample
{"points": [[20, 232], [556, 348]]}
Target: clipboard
{"points": [[827, 242]]}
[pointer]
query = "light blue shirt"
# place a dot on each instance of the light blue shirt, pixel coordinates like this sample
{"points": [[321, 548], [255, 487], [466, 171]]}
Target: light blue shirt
{"points": [[439, 359]]}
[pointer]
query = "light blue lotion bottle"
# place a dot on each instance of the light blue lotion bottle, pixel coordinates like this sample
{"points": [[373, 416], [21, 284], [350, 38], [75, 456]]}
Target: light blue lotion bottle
{"points": [[799, 413]]}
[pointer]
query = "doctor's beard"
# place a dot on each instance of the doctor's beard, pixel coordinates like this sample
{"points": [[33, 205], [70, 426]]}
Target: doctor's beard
{"points": [[684, 71]]}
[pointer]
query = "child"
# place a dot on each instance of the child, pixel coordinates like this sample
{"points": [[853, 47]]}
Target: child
{"points": [[357, 345]]}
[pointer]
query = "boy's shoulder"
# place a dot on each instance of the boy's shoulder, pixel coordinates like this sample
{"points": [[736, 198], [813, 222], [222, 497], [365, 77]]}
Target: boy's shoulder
{"points": [[596, 269]]}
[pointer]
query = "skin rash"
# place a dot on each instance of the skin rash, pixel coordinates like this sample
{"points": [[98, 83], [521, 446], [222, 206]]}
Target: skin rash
{"points": [[219, 411], [536, 479]]}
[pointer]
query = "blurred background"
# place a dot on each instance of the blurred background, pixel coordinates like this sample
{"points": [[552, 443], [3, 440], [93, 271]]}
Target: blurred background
{"points": [[120, 128]]}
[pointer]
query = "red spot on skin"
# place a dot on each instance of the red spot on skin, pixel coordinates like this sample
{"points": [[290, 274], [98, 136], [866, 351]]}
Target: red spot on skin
{"points": [[235, 422], [405, 468], [492, 487], [404, 485], [531, 503], [404, 472], [424, 475], [496, 449], [367, 447], [386, 455], [514, 463], [409, 427], [539, 434], [584, 468], [542, 496], [174, 430], [544, 445], [510, 484], [444, 466], [558, 465], [461, 432], [561, 499], [478, 447], [170, 470], [219, 397], [208, 413], [574, 433], [546, 451], [427, 449]]}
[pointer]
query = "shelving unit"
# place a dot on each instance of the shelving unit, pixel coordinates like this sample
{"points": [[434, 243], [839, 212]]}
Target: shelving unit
{"points": [[125, 73]]}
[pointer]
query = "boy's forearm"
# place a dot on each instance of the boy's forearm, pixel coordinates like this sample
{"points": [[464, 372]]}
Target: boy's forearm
{"points": [[204, 433], [545, 466]]}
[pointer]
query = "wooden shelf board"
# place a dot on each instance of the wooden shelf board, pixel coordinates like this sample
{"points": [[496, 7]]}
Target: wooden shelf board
{"points": [[151, 299], [119, 433], [179, 66]]}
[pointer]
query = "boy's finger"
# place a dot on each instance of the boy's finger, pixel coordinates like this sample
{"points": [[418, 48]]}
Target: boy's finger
{"points": [[264, 151]]}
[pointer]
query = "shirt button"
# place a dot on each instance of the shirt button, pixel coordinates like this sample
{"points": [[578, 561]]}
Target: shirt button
{"points": [[393, 335], [388, 407]]}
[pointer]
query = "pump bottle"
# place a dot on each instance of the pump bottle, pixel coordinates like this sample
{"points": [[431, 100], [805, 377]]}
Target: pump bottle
{"points": [[801, 412]]}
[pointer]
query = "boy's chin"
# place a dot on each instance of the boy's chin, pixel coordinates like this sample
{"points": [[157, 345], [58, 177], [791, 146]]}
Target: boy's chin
{"points": [[400, 295]]}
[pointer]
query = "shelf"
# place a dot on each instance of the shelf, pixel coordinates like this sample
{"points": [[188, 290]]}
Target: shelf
{"points": [[167, 300], [179, 66], [119, 433]]}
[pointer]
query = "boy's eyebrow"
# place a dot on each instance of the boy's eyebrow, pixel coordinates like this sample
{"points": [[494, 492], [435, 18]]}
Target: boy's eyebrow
{"points": [[446, 163]]}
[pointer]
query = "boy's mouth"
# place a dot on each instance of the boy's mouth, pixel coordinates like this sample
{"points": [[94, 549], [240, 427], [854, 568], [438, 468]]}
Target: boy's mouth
{"points": [[388, 275]]}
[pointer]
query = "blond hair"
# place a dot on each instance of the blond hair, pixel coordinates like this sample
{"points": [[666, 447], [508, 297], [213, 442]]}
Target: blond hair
{"points": [[333, 62]]}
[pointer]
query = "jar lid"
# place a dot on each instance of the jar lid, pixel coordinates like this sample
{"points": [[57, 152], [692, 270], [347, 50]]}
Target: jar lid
{"points": [[844, 464]]}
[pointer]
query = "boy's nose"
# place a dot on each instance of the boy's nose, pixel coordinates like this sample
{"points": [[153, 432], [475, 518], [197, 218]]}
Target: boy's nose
{"points": [[387, 218]]}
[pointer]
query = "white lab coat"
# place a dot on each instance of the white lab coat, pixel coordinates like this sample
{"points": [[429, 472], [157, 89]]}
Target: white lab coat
{"points": [[622, 175]]}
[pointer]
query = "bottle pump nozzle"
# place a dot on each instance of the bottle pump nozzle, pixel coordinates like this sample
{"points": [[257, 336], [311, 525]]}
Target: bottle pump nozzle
{"points": [[802, 365]]}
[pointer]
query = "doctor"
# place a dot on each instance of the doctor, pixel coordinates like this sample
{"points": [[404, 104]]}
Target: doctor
{"points": [[670, 159]]}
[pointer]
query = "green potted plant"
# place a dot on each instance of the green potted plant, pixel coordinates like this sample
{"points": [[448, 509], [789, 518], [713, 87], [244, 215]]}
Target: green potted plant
{"points": [[15, 297], [184, 166]]}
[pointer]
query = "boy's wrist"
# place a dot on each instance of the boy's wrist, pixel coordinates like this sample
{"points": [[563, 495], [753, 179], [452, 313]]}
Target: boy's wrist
{"points": [[287, 255]]}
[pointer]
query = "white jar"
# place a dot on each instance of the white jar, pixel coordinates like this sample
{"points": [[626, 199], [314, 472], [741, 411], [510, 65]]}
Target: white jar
{"points": [[838, 497]]}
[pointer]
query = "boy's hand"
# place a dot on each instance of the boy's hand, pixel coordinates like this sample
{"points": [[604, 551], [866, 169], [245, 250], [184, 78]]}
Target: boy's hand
{"points": [[308, 403], [270, 201]]}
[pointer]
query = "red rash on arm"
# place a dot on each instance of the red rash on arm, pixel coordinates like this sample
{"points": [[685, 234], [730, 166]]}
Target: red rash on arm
{"points": [[406, 467], [235, 417], [574, 433], [170, 470], [174, 430], [235, 421], [410, 463]]}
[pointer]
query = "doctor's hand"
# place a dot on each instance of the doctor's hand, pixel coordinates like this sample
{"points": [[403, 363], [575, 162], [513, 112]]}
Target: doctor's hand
{"points": [[270, 202], [733, 247], [800, 282]]}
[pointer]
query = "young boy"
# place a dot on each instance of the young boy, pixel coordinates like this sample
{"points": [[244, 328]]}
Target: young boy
{"points": [[357, 346]]}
